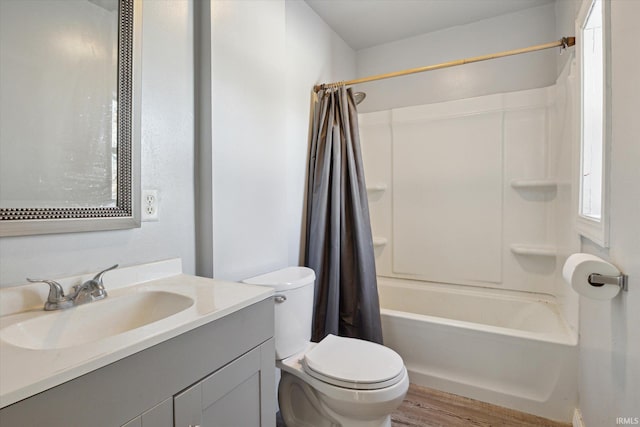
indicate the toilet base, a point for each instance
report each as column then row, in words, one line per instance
column 302, row 406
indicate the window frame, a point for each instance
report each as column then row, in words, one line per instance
column 592, row 228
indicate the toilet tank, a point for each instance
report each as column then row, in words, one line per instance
column 293, row 287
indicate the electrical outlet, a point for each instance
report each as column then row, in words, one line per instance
column 149, row 205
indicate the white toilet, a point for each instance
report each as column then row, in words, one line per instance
column 337, row 382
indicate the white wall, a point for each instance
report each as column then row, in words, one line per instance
column 565, row 11
column 315, row 54
column 167, row 165
column 248, row 137
column 609, row 378
column 265, row 58
column 511, row 31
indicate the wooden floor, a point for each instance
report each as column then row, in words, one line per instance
column 424, row 407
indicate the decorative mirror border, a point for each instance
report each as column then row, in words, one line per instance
column 26, row 221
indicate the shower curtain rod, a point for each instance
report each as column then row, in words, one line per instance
column 564, row 43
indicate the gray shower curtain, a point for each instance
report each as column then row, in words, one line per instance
column 339, row 246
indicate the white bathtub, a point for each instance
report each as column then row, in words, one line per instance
column 507, row 348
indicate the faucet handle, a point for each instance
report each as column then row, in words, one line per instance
column 55, row 289
column 56, row 298
column 98, row 277
column 92, row 289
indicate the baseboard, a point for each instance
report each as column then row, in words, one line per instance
column 577, row 418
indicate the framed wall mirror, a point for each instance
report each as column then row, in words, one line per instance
column 69, row 118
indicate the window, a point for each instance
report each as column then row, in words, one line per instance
column 594, row 120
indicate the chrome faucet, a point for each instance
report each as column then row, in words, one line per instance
column 91, row 290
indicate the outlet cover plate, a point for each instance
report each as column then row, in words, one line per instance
column 149, row 205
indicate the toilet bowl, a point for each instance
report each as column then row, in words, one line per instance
column 331, row 389
column 336, row 382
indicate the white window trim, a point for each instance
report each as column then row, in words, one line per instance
column 597, row 231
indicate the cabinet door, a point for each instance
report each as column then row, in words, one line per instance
column 232, row 396
column 187, row 407
column 160, row 415
column 136, row 422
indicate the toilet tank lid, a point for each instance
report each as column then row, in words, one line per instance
column 284, row 279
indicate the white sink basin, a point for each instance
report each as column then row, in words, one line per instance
column 94, row 321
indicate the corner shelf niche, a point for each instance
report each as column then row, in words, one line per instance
column 534, row 184
column 379, row 242
column 376, row 188
column 533, row 250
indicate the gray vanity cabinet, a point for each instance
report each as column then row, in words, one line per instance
column 219, row 374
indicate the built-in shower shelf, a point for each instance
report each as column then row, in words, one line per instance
column 534, row 184
column 376, row 188
column 379, row 241
column 535, row 250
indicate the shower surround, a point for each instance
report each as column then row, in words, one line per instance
column 470, row 202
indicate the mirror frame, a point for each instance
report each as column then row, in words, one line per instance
column 126, row 213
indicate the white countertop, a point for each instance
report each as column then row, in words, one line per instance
column 25, row 372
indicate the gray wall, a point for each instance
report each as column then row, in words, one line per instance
column 167, row 165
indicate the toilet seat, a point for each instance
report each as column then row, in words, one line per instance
column 353, row 363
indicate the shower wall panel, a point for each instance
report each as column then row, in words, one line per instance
column 375, row 135
column 447, row 199
column 445, row 191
